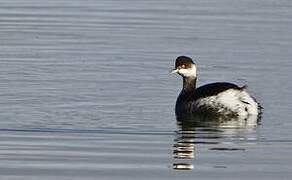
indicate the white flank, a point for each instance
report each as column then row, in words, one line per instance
column 238, row 101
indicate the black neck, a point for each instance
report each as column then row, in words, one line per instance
column 189, row 83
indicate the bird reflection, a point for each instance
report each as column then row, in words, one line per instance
column 193, row 132
column 184, row 148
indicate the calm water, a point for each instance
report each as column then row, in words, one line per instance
column 85, row 89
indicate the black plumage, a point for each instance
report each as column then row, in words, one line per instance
column 196, row 102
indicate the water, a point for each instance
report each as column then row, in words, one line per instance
column 85, row 90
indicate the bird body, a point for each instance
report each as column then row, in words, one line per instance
column 213, row 100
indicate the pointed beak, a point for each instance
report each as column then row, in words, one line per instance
column 174, row 71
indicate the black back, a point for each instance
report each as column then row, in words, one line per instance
column 207, row 90
column 214, row 89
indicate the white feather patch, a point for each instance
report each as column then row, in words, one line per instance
column 190, row 72
column 237, row 101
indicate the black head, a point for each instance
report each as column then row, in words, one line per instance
column 185, row 67
column 183, row 62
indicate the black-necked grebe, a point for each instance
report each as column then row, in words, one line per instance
column 213, row 100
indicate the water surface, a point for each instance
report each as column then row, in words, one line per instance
column 85, row 90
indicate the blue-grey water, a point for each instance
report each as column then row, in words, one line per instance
column 85, row 89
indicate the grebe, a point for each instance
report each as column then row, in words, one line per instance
column 220, row 99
